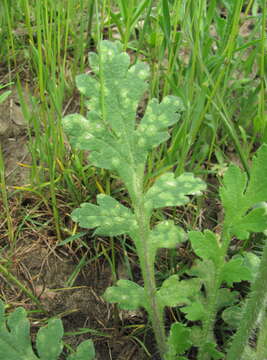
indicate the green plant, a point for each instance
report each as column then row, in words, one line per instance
column 117, row 143
column 15, row 340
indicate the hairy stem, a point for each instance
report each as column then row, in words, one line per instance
column 261, row 353
column 254, row 305
column 148, row 273
column 213, row 292
column 208, row 324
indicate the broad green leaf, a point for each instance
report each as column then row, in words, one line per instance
column 166, row 235
column 49, row 340
column 170, row 191
column 254, row 221
column 194, row 311
column 85, row 351
column 257, row 187
column 109, row 216
column 127, row 294
column 110, row 132
column 88, row 86
column 15, row 341
column 158, row 117
column 76, row 126
column 240, row 194
column 206, row 245
column 232, row 192
column 178, row 341
column 235, row 270
column 174, row 292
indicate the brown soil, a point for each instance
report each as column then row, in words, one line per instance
column 13, row 139
column 45, row 273
column 44, row 268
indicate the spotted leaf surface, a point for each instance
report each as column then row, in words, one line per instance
column 128, row 295
column 110, row 130
column 109, row 217
column 174, row 292
column 165, row 235
column 170, row 191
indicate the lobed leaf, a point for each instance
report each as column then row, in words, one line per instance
column 235, row 270
column 15, row 340
column 109, row 216
column 85, row 351
column 254, row 221
column 257, row 187
column 195, row 311
column 158, row 117
column 110, row 132
column 174, row 292
column 178, row 341
column 49, row 340
column 170, row 191
column 128, row 295
column 239, row 195
column 206, row 245
column 165, row 235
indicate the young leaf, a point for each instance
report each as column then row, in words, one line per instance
column 194, row 311
column 170, row 191
column 206, row 245
column 239, row 195
column 158, row 117
column 15, row 340
column 174, row 292
column 166, row 235
column 110, row 131
column 85, row 351
column 127, row 294
column 109, row 216
column 257, row 187
column 235, row 271
column 178, row 341
column 49, row 340
column 254, row 221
